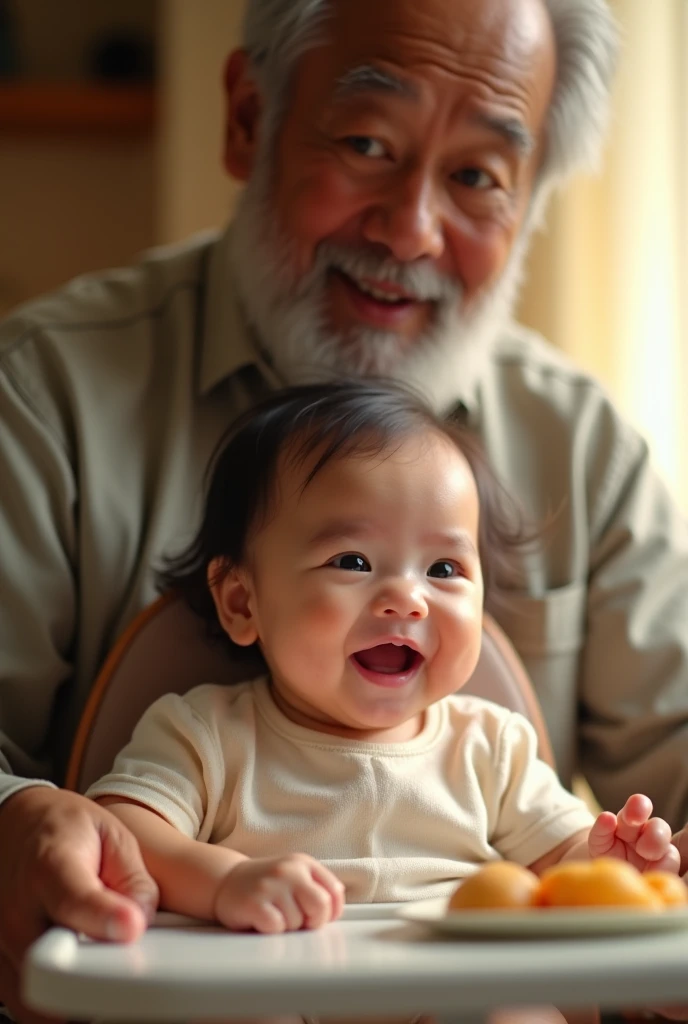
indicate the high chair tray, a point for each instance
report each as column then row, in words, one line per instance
column 356, row 966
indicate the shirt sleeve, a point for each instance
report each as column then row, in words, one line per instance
column 634, row 679
column 534, row 811
column 37, row 582
column 173, row 765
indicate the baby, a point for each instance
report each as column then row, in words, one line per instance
column 350, row 534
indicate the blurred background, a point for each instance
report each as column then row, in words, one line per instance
column 110, row 141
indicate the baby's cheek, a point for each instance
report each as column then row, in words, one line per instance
column 461, row 643
column 325, row 614
column 315, row 631
column 313, row 622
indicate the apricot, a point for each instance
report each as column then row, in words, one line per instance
column 497, row 885
column 604, row 882
column 671, row 888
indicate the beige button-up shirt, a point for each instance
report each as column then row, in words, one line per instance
column 113, row 393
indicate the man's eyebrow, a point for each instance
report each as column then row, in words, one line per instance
column 513, row 131
column 368, row 78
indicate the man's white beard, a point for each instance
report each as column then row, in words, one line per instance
column 287, row 312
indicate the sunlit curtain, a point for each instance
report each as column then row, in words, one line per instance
column 608, row 282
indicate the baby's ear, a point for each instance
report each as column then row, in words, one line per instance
column 230, row 592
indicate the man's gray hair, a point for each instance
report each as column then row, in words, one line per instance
column 278, row 32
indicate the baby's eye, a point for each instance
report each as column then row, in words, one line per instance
column 351, row 562
column 444, row 570
column 366, row 146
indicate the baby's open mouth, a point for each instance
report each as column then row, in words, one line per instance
column 389, row 659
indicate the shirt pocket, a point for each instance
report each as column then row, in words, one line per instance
column 540, row 626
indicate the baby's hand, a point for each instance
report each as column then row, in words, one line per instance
column 634, row 836
column 279, row 894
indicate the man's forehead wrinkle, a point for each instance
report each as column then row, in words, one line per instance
column 502, row 44
column 502, row 75
column 366, row 79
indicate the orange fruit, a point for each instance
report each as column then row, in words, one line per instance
column 497, row 885
column 671, row 888
column 604, row 882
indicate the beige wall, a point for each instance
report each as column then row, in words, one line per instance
column 74, row 204
column 195, row 39
column 70, row 203
column 68, row 206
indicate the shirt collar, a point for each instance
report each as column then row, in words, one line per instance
column 227, row 344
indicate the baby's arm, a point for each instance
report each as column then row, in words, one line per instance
column 270, row 894
column 631, row 835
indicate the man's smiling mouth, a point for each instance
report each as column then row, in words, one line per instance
column 388, row 295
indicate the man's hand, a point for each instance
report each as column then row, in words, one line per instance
column 279, row 894
column 65, row 860
column 634, row 836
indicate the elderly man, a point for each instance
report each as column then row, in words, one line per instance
column 396, row 157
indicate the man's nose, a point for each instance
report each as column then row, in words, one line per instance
column 407, row 219
column 402, row 599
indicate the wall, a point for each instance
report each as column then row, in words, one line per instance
column 193, row 190
column 67, row 207
column 55, row 36
column 75, row 202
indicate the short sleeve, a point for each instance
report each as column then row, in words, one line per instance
column 534, row 811
column 173, row 765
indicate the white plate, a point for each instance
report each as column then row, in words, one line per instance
column 543, row 922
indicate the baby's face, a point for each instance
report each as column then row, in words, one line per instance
column 365, row 589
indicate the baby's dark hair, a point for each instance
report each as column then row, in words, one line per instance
column 312, row 424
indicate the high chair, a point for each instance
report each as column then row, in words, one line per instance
column 166, row 650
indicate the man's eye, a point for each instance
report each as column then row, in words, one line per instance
column 473, row 177
column 444, row 570
column 351, row 562
column 366, row 146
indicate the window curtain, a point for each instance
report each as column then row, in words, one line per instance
column 608, row 279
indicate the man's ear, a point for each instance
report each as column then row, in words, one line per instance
column 243, row 116
column 230, row 593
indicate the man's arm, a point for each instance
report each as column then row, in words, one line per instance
column 62, row 858
column 38, row 577
column 634, row 679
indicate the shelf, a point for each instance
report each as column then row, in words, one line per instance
column 65, row 108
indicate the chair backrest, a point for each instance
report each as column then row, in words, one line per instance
column 166, row 650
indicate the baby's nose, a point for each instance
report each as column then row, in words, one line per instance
column 402, row 599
